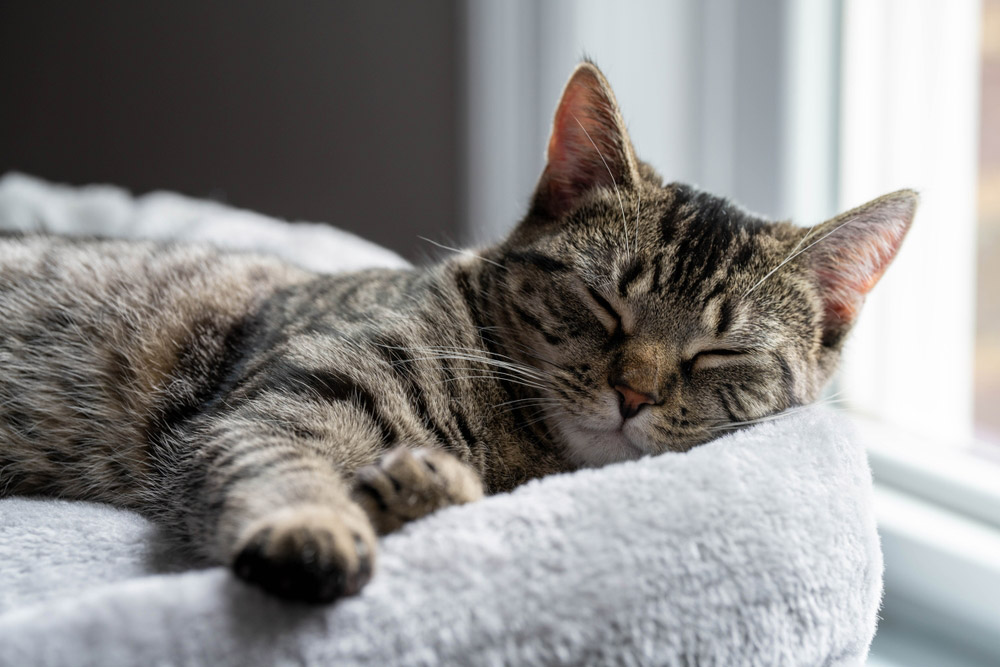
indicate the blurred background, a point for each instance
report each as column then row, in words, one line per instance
column 402, row 120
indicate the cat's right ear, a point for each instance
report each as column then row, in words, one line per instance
column 589, row 147
column 848, row 254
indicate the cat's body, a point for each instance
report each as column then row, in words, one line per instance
column 146, row 343
column 276, row 419
column 159, row 377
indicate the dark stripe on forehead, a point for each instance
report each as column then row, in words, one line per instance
column 655, row 286
column 686, row 250
column 717, row 289
column 670, row 221
column 743, row 255
column 629, row 276
column 703, row 250
column 668, row 229
column 537, row 259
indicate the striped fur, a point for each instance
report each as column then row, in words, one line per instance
column 275, row 419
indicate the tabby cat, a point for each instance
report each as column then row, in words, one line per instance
column 276, row 420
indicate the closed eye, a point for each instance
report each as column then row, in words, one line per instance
column 722, row 352
column 613, row 321
column 716, row 357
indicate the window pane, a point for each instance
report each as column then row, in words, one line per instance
column 987, row 374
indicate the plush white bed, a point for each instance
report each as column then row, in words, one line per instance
column 756, row 549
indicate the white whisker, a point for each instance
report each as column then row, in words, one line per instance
column 512, row 370
column 778, row 415
column 462, row 251
column 638, row 207
column 523, row 349
column 794, row 254
column 527, row 402
column 466, row 350
column 615, row 182
column 512, row 367
column 494, row 376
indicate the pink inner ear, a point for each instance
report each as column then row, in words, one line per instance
column 587, row 148
column 578, row 127
column 853, row 258
column 843, row 298
column 578, row 144
column 564, row 126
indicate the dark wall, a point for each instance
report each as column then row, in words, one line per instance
column 345, row 112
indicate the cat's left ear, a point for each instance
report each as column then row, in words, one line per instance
column 849, row 254
column 589, row 146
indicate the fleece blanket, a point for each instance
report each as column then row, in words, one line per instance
column 756, row 549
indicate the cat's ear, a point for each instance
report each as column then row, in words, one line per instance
column 589, row 146
column 849, row 254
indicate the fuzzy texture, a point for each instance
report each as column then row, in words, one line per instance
column 31, row 205
column 757, row 549
column 274, row 419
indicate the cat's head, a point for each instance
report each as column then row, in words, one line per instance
column 657, row 316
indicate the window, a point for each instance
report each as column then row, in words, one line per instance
column 917, row 111
column 987, row 360
column 909, row 111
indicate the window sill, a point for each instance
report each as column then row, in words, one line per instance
column 946, row 475
column 938, row 512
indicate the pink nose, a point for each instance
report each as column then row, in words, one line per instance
column 631, row 401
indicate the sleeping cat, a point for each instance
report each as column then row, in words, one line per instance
column 276, row 420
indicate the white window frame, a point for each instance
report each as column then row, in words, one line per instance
column 909, row 118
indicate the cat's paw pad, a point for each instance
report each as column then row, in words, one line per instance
column 407, row 484
column 311, row 553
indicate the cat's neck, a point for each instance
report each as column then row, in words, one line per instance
column 480, row 285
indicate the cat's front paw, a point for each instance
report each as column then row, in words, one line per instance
column 407, row 484
column 309, row 553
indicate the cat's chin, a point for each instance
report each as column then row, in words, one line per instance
column 597, row 447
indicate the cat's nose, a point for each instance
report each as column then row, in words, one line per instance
column 631, row 401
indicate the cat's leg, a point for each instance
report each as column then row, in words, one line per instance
column 407, row 484
column 278, row 512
